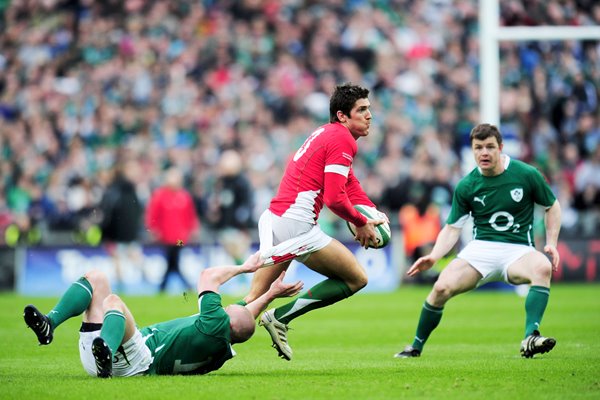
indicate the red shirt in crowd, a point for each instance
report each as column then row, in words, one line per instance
column 171, row 215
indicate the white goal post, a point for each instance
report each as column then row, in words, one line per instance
column 490, row 35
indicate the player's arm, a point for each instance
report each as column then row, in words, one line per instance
column 212, row 278
column 552, row 220
column 445, row 241
column 357, row 195
column 336, row 199
column 277, row 289
column 355, row 192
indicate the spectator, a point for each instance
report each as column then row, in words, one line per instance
column 122, row 221
column 171, row 219
column 587, row 193
column 231, row 206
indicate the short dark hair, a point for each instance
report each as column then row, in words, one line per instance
column 484, row 131
column 343, row 99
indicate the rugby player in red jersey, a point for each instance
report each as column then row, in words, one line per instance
column 320, row 173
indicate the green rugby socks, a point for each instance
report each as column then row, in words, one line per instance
column 321, row 295
column 535, row 305
column 113, row 329
column 428, row 321
column 73, row 302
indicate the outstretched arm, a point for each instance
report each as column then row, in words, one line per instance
column 278, row 289
column 445, row 241
column 212, row 278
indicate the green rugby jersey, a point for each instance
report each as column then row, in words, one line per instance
column 191, row 345
column 501, row 206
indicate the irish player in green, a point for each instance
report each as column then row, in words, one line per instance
column 499, row 194
column 110, row 344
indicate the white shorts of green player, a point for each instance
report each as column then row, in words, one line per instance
column 135, row 359
column 492, row 259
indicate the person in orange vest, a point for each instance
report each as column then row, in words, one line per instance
column 420, row 229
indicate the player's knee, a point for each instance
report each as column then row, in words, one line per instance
column 542, row 270
column 442, row 291
column 113, row 302
column 358, row 282
column 97, row 279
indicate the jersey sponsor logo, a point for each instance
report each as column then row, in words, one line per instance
column 480, row 199
column 517, row 194
column 502, row 221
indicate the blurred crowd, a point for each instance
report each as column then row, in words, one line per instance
column 88, row 88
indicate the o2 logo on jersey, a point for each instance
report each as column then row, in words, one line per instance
column 307, row 143
column 507, row 218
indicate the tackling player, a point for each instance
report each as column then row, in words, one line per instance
column 500, row 195
column 110, row 344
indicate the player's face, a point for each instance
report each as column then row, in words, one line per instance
column 487, row 156
column 359, row 120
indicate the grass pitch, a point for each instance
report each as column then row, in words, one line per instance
column 340, row 352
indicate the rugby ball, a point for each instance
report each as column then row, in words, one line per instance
column 383, row 231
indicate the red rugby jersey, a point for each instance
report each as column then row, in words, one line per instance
column 321, row 173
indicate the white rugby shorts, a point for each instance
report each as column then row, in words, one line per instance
column 137, row 358
column 283, row 239
column 492, row 259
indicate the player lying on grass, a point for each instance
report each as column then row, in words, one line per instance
column 110, row 344
column 500, row 195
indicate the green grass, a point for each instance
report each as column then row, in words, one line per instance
column 341, row 352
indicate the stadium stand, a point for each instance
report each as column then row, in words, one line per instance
column 86, row 85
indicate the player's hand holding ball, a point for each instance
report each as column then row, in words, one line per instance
column 383, row 232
